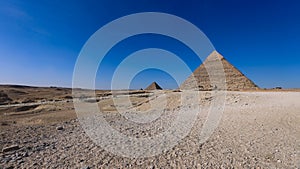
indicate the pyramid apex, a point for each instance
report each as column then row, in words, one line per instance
column 215, row 55
column 153, row 86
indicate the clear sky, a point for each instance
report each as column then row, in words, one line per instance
column 40, row 40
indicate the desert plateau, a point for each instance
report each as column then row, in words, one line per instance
column 258, row 129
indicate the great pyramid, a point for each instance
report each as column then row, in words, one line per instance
column 153, row 86
column 221, row 72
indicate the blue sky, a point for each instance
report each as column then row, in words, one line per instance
column 40, row 40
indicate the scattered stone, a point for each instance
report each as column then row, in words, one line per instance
column 59, row 128
column 25, row 154
column 4, row 123
column 20, row 162
column 10, row 148
column 10, row 167
column 7, row 159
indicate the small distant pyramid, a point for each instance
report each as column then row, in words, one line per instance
column 153, row 86
column 218, row 66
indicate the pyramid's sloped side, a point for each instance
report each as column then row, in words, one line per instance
column 235, row 80
column 201, row 80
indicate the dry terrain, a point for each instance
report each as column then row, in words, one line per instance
column 40, row 129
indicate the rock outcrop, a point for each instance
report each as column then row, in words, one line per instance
column 4, row 99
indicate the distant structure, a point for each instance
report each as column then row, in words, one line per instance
column 235, row 80
column 153, row 86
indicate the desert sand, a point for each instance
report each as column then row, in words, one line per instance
column 258, row 129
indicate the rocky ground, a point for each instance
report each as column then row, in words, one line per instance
column 257, row 130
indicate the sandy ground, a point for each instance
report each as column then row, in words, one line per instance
column 257, row 130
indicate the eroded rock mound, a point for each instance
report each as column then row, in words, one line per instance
column 4, row 99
